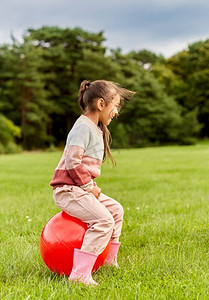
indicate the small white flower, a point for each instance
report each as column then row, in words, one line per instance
column 146, row 206
column 27, row 217
column 137, row 208
column 29, row 220
column 128, row 208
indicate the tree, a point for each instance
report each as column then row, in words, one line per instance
column 70, row 55
column 40, row 79
column 23, row 95
column 153, row 117
column 191, row 67
column 9, row 132
column 146, row 58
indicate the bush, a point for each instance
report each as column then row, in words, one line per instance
column 9, row 132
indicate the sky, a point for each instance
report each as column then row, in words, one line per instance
column 161, row 26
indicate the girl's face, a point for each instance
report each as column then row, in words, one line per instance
column 108, row 112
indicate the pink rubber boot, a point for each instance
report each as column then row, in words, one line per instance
column 111, row 260
column 83, row 263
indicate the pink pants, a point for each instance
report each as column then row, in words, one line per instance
column 104, row 216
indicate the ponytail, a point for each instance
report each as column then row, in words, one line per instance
column 83, row 87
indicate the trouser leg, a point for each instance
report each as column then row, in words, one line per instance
column 116, row 210
column 88, row 209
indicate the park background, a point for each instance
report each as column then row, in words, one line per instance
column 157, row 48
column 160, row 140
column 40, row 78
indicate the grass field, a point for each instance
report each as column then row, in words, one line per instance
column 165, row 239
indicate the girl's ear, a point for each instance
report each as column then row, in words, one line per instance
column 100, row 104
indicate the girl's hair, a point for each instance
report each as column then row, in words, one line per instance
column 89, row 92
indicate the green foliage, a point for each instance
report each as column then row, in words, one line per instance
column 192, row 91
column 9, row 132
column 156, row 118
column 120, row 138
column 178, row 64
column 23, row 94
column 146, row 58
column 40, row 79
column 69, row 56
column 166, row 77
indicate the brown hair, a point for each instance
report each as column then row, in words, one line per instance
column 89, row 92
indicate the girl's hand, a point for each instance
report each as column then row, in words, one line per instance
column 96, row 191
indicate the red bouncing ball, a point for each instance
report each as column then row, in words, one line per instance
column 61, row 234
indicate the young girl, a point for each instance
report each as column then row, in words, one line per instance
column 74, row 189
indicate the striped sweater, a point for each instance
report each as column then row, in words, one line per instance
column 82, row 157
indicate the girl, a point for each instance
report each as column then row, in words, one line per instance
column 74, row 189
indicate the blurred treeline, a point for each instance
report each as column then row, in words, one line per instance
column 40, row 78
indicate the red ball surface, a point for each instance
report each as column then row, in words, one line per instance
column 61, row 234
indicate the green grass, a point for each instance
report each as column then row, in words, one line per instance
column 165, row 239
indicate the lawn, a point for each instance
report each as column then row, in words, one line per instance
column 165, row 239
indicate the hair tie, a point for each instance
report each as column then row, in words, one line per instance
column 88, row 84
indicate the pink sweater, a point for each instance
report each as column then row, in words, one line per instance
column 82, row 157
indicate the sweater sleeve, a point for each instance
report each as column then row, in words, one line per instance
column 77, row 142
